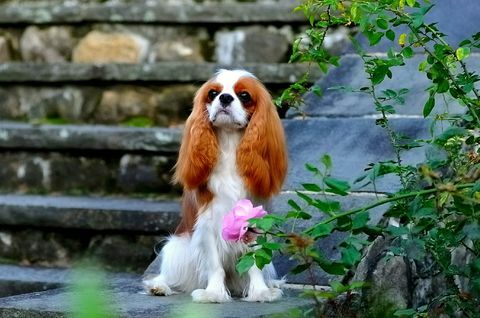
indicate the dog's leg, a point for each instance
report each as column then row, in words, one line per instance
column 258, row 289
column 175, row 268
column 205, row 240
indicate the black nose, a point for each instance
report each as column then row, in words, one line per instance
column 226, row 99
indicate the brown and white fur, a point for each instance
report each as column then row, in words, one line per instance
column 233, row 148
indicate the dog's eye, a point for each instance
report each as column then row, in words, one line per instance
column 245, row 97
column 212, row 94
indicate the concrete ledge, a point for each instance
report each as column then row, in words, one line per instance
column 159, row 72
column 88, row 137
column 128, row 300
column 89, row 213
column 155, row 13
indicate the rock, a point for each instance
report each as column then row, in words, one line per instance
column 179, row 49
column 390, row 278
column 71, row 104
column 251, row 44
column 115, row 173
column 10, row 105
column 50, row 45
column 145, row 174
column 174, row 104
column 5, row 51
column 101, row 47
column 165, row 107
column 123, row 102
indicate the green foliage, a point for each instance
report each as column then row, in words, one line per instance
column 89, row 298
column 139, row 121
column 438, row 205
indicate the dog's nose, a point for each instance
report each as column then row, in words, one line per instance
column 225, row 99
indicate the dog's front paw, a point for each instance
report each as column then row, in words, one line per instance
column 157, row 286
column 264, row 295
column 210, row 296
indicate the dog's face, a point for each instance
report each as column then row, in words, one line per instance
column 230, row 99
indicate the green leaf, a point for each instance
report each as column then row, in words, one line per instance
column 311, row 168
column 390, row 35
column 382, row 23
column 450, row 132
column 326, row 205
column 443, row 86
column 427, row 109
column 327, row 161
column 262, row 257
column 300, row 268
column 333, row 268
column 360, row 220
column 462, row 53
column 272, row 245
column 407, row 52
column 245, row 262
column 374, row 37
column 411, row 3
column 321, row 230
column 350, row 255
column 299, row 215
column 379, row 74
column 294, row 205
column 337, row 186
column 311, row 187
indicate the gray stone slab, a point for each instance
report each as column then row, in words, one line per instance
column 151, row 13
column 86, row 137
column 351, row 73
column 15, row 280
column 458, row 19
column 328, row 246
column 127, row 300
column 89, row 213
column 352, row 143
column 158, row 72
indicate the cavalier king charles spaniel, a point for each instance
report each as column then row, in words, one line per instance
column 233, row 148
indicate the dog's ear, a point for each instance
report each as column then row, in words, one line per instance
column 199, row 149
column 262, row 154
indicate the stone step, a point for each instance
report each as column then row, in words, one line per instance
column 88, row 137
column 16, row 280
column 269, row 73
column 104, row 159
column 89, row 213
column 146, row 13
column 121, row 233
column 127, row 300
column 118, row 233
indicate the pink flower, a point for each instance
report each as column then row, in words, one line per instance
column 235, row 222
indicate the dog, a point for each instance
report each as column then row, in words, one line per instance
column 233, row 148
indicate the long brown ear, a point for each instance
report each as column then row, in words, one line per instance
column 262, row 154
column 199, row 150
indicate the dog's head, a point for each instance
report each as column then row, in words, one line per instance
column 234, row 100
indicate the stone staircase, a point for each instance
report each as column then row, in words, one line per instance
column 87, row 141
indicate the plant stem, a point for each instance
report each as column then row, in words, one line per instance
column 385, row 201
